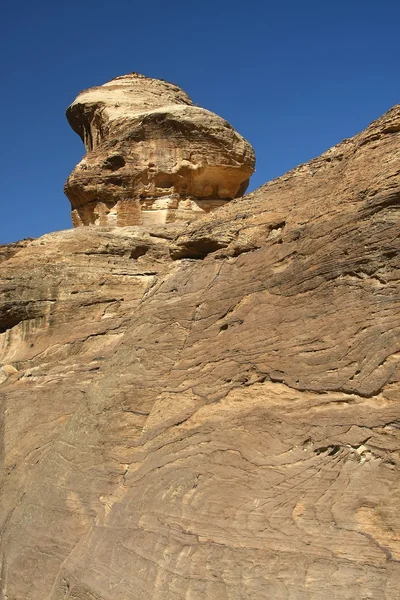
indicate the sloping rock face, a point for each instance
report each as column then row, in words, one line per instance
column 211, row 413
column 152, row 157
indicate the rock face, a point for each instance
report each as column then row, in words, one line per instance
column 211, row 412
column 152, row 157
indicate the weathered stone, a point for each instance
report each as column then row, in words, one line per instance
column 211, row 412
column 152, row 157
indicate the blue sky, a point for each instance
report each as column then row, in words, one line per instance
column 293, row 77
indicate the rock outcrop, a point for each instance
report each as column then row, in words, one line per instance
column 152, row 156
column 211, row 412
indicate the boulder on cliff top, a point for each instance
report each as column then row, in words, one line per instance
column 152, row 156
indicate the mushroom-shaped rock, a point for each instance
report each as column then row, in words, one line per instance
column 151, row 156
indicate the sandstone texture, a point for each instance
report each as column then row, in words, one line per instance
column 210, row 412
column 152, row 156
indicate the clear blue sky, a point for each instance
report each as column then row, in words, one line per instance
column 293, row 77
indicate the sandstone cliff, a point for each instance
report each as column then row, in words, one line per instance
column 211, row 412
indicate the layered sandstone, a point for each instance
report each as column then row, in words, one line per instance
column 211, row 412
column 152, row 156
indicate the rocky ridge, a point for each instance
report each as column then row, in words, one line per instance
column 212, row 411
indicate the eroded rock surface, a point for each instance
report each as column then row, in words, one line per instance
column 213, row 412
column 152, row 156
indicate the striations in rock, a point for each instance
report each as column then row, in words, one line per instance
column 152, row 156
column 212, row 412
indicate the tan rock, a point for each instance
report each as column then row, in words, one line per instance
column 213, row 411
column 9, row 369
column 152, row 156
column 6, row 371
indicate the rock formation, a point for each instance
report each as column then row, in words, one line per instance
column 211, row 412
column 152, row 157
